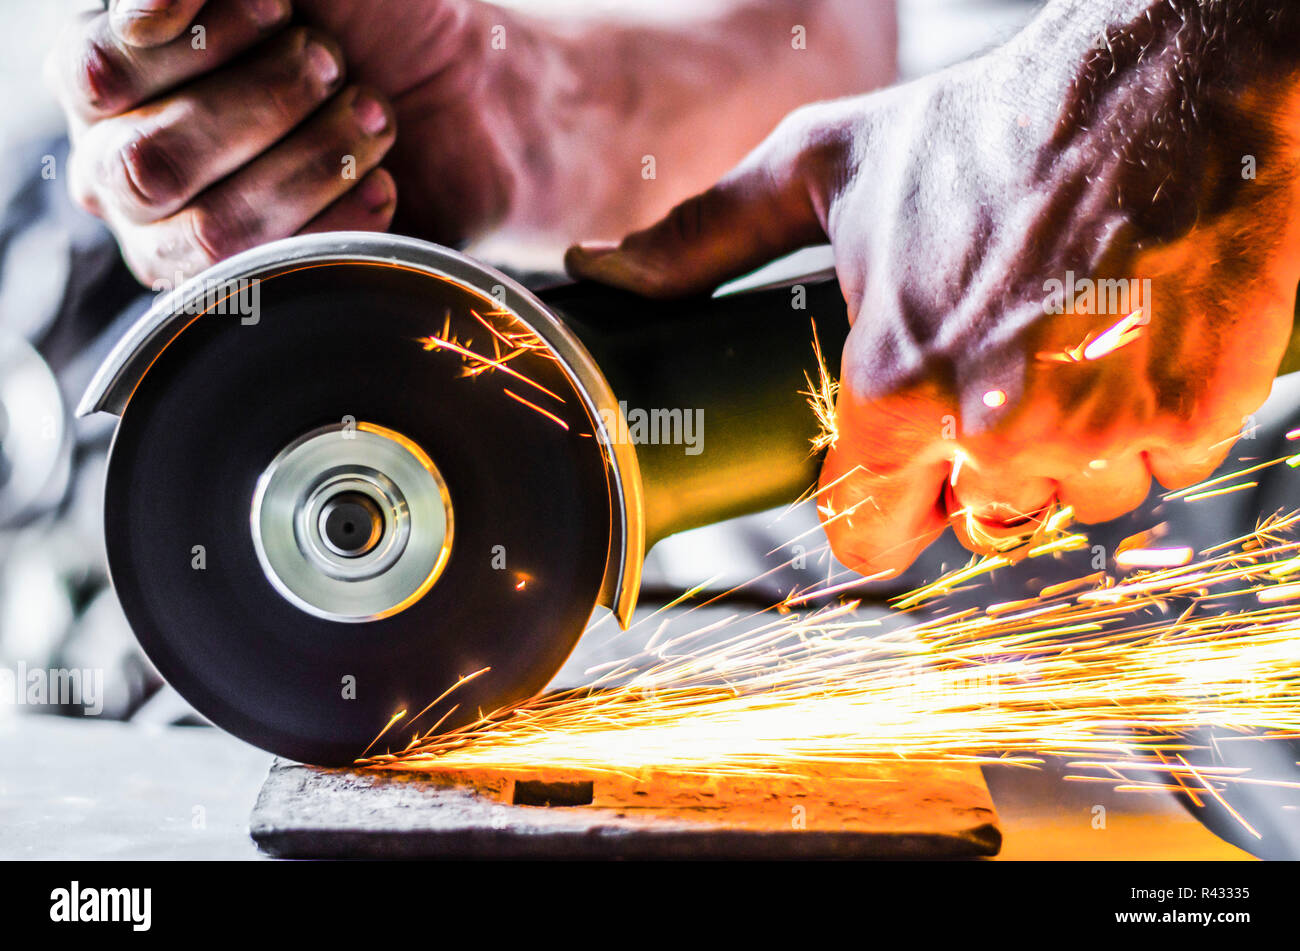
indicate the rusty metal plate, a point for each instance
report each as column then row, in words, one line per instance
column 893, row 811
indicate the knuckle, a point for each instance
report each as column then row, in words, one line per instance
column 146, row 271
column 685, row 222
column 149, row 172
column 101, row 77
column 281, row 101
column 337, row 139
column 280, row 81
column 1170, row 471
column 149, row 263
column 1251, row 396
column 217, row 231
column 1188, row 430
column 291, row 85
column 85, row 201
column 324, row 164
column 816, row 140
column 797, row 124
column 84, row 198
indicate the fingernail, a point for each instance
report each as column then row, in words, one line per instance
column 266, row 13
column 137, row 7
column 595, row 249
column 372, row 117
column 322, row 63
column 587, row 257
column 376, row 192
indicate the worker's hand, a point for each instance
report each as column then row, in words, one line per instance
column 204, row 129
column 968, row 214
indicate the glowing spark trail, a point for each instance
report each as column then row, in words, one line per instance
column 533, row 406
column 517, row 342
column 821, row 398
column 1154, row 558
column 1116, row 337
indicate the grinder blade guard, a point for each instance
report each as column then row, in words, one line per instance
column 351, row 469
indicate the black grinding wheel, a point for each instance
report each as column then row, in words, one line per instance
column 335, row 343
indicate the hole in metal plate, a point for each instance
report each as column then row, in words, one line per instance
column 536, row 793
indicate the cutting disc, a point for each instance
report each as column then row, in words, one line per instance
column 342, row 348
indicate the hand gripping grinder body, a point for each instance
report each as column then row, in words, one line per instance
column 352, row 469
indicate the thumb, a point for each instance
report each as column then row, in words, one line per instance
column 769, row 205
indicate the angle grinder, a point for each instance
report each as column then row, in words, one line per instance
column 352, row 470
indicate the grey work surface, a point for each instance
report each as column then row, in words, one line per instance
column 86, row 789
column 91, row 790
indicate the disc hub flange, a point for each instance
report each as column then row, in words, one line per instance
column 352, row 522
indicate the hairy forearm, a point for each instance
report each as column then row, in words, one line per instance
column 639, row 115
column 1072, row 42
column 1181, row 90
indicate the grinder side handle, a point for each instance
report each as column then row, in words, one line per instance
column 709, row 389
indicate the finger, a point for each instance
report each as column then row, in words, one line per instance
column 368, row 207
column 1103, row 489
column 285, row 189
column 1178, row 466
column 995, row 508
column 149, row 163
column 151, row 22
column 882, row 482
column 97, row 74
column 767, row 206
column 999, row 494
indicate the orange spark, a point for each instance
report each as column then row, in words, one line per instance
column 1154, row 557
column 1119, row 335
column 821, row 399
column 477, row 362
column 549, row 415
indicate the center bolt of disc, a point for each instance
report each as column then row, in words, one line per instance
column 351, row 524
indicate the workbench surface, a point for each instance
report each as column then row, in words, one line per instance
column 83, row 789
